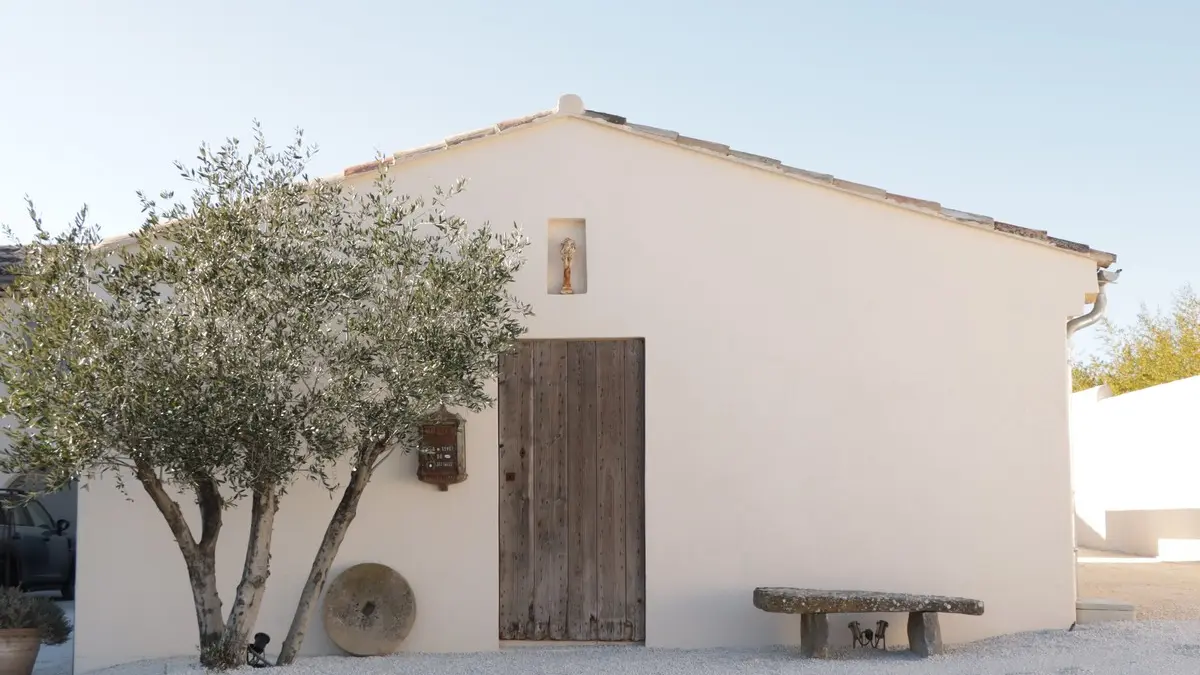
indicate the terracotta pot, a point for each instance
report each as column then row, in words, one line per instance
column 18, row 650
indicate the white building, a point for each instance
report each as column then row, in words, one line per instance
column 802, row 381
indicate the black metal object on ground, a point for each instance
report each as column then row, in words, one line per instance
column 255, row 657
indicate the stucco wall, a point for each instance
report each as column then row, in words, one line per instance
column 839, row 393
column 1135, row 461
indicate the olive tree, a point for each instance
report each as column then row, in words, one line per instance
column 267, row 329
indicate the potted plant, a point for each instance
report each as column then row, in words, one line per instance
column 26, row 623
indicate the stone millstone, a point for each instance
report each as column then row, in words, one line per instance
column 369, row 610
column 810, row 601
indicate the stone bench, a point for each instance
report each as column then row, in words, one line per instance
column 815, row 606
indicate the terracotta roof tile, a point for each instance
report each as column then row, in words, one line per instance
column 811, row 175
column 665, row 133
column 417, row 152
column 1070, row 245
column 471, row 135
column 751, row 157
column 1040, row 235
column 858, row 187
column 719, row 148
column 913, row 201
column 968, row 217
column 607, row 117
column 365, row 167
column 520, row 121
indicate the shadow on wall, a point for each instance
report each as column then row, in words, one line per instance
column 1167, row 534
column 1087, row 537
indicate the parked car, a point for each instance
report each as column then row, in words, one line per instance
column 36, row 553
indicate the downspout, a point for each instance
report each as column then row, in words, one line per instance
column 1103, row 278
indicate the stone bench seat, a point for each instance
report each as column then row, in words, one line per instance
column 814, row 606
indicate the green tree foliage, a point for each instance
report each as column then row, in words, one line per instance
column 1156, row 348
column 265, row 329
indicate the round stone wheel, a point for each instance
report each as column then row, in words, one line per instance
column 369, row 610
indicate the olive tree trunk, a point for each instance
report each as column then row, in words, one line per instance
column 335, row 532
column 199, row 557
column 250, row 591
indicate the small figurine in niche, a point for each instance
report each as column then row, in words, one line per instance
column 567, row 249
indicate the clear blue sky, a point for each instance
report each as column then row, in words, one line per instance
column 1076, row 117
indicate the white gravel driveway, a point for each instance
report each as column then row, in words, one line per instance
column 1126, row 648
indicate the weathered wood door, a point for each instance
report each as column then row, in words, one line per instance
column 572, row 524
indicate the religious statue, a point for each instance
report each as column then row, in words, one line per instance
column 568, row 257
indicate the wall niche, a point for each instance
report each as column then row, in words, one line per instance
column 566, row 256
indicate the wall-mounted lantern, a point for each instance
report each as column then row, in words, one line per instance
column 442, row 454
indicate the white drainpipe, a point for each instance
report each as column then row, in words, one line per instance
column 1103, row 278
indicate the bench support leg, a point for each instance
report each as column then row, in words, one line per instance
column 814, row 635
column 924, row 633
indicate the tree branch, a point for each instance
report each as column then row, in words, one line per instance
column 383, row 449
column 208, row 496
column 335, row 532
column 167, row 506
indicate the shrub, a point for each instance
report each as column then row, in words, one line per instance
column 19, row 610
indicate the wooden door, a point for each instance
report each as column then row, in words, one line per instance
column 572, row 477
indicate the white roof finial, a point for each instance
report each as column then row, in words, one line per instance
column 569, row 104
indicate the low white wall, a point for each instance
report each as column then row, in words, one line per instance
column 839, row 394
column 1135, row 462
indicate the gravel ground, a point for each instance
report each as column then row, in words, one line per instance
column 1124, row 648
column 1159, row 590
